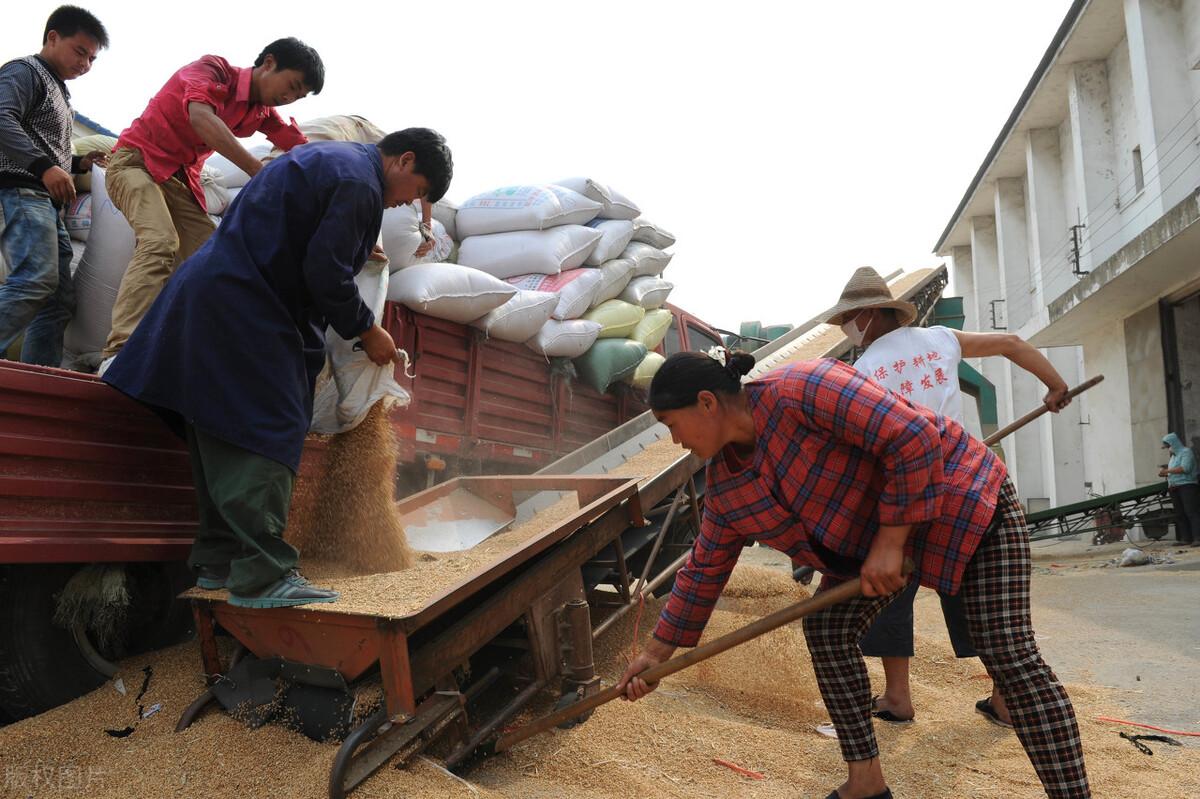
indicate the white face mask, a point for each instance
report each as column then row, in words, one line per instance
column 852, row 332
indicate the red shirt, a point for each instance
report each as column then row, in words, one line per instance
column 836, row 455
column 164, row 134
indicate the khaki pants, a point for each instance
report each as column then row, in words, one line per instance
column 169, row 225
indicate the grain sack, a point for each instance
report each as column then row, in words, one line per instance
column 448, row 291
column 614, row 205
column 609, row 361
column 647, row 261
column 97, row 142
column 614, row 277
column 520, row 318
column 523, row 208
column 564, row 339
column 335, row 128
column 641, row 377
column 653, row 328
column 109, row 248
column 358, row 384
column 401, row 234
column 650, row 233
column 648, row 292
column 345, row 518
column 229, row 174
column 617, row 318
column 615, row 235
column 78, row 216
column 575, row 288
column 547, row 252
column 216, row 197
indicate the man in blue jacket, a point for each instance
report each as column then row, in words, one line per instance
column 1184, row 485
column 230, row 351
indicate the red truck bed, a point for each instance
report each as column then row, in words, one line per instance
column 88, row 475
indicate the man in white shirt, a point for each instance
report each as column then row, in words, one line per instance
column 921, row 365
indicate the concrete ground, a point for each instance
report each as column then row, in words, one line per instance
column 1132, row 629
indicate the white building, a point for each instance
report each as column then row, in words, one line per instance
column 1079, row 234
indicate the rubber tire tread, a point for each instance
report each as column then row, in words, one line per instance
column 41, row 667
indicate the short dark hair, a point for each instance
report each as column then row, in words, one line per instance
column 291, row 53
column 70, row 20
column 434, row 161
column 684, row 375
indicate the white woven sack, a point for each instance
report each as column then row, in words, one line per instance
column 615, row 235
column 614, row 277
column 523, row 208
column 520, row 318
column 650, row 233
column 448, row 291
column 568, row 338
column 401, row 236
column 614, row 205
column 648, row 292
column 229, row 174
column 575, row 289
column 522, row 252
column 342, row 403
column 109, row 249
column 647, row 261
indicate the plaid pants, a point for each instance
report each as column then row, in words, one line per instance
column 995, row 591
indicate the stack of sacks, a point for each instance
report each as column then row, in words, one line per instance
column 628, row 302
column 570, row 269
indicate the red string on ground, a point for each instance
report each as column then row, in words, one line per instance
column 745, row 772
column 1148, row 727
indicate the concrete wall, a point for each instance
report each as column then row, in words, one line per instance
column 1145, row 94
column 1147, row 393
column 1187, row 338
column 1126, row 136
column 1107, row 428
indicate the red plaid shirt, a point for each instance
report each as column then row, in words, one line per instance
column 164, row 135
column 836, row 456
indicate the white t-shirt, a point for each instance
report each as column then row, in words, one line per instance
column 920, row 364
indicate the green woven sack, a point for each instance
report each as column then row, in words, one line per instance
column 608, row 361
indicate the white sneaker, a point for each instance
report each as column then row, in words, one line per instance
column 107, row 362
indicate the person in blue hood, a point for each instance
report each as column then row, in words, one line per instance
column 1184, row 485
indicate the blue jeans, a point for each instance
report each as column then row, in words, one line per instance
column 39, row 296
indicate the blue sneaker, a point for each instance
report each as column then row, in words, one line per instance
column 289, row 590
column 212, row 578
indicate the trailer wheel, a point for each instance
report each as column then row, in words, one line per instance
column 40, row 664
column 43, row 665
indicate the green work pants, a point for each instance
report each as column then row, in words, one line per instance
column 243, row 499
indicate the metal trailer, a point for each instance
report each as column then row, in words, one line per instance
column 457, row 669
column 91, row 479
column 1106, row 519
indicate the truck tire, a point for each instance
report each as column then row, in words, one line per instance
column 40, row 664
column 43, row 666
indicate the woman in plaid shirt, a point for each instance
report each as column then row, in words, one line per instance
column 818, row 462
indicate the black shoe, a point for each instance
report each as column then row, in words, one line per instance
column 290, row 589
column 212, row 578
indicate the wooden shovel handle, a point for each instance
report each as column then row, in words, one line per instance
column 1029, row 417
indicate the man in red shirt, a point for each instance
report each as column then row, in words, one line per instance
column 154, row 173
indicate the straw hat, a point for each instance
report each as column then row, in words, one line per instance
column 867, row 289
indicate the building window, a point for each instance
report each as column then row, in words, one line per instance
column 1139, row 179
